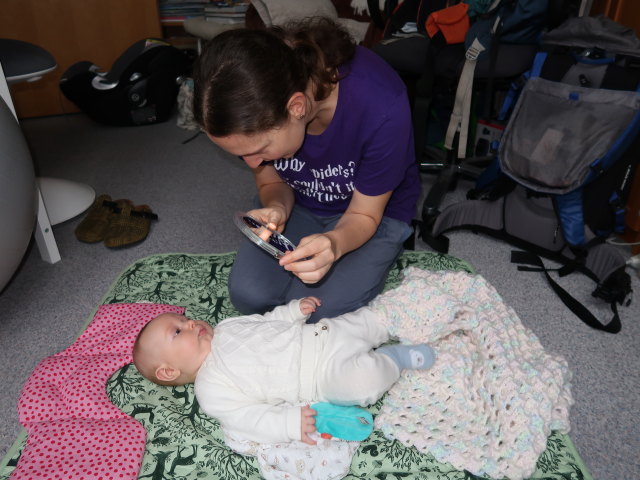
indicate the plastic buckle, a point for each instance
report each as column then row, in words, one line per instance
column 586, row 53
column 474, row 50
column 472, row 53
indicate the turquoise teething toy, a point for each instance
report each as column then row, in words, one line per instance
column 348, row 423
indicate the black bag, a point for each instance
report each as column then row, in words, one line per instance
column 520, row 20
column 562, row 176
column 140, row 89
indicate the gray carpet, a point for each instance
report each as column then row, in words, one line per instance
column 194, row 188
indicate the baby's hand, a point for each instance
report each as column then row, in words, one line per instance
column 307, row 424
column 309, row 304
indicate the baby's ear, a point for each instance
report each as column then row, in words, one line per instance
column 166, row 373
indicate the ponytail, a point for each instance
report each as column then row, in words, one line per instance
column 322, row 46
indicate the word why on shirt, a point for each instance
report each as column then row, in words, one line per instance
column 326, row 185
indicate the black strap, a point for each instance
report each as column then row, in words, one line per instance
column 488, row 89
column 192, row 137
column 580, row 256
column 614, row 325
column 375, row 14
column 144, row 214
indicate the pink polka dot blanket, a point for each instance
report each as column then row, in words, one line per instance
column 92, row 422
column 65, row 409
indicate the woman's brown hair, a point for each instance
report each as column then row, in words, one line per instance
column 244, row 78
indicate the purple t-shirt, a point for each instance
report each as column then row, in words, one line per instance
column 368, row 145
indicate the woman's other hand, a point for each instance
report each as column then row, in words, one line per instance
column 275, row 218
column 277, row 198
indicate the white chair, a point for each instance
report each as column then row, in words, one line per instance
column 56, row 200
column 18, row 194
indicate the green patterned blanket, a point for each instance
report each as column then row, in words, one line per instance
column 183, row 443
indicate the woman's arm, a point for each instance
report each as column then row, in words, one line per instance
column 358, row 223
column 356, row 226
column 276, row 197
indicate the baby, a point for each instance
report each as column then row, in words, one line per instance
column 250, row 370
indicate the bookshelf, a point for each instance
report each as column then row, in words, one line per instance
column 173, row 32
column 186, row 22
column 172, row 15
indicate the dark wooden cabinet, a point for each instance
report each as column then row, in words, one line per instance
column 632, row 215
column 626, row 12
column 73, row 30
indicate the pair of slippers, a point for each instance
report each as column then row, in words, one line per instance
column 117, row 223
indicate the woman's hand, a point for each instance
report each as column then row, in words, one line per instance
column 274, row 217
column 312, row 258
column 276, row 196
column 315, row 254
column 309, row 304
column 307, row 424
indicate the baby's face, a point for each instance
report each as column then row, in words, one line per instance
column 178, row 342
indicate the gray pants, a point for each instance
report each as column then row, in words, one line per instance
column 257, row 282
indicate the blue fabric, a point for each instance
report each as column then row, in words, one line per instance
column 489, row 174
column 478, row 7
column 538, row 62
column 618, row 212
column 521, row 22
column 571, row 216
column 345, row 422
column 257, row 282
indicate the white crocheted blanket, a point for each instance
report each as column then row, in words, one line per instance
column 493, row 396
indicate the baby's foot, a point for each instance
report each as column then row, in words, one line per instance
column 419, row 357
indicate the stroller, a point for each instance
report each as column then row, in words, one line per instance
column 565, row 162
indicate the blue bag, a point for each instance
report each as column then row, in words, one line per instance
column 510, row 21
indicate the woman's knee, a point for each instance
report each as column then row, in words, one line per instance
column 244, row 303
column 254, row 291
column 249, row 300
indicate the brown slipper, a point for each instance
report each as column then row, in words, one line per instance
column 94, row 226
column 130, row 226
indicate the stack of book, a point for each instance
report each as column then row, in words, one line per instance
column 179, row 10
column 227, row 12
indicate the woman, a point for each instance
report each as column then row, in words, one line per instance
column 326, row 128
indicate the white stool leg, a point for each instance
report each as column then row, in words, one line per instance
column 44, row 235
